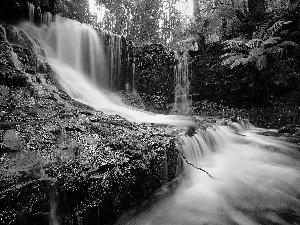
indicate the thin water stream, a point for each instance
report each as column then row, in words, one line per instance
column 255, row 178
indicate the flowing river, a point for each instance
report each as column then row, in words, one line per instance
column 255, row 179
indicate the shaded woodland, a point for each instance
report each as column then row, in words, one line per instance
column 63, row 160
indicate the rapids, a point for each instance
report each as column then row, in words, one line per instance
column 255, row 181
column 255, row 178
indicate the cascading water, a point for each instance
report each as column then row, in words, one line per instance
column 31, row 12
column 47, row 18
column 83, row 52
column 114, row 54
column 15, row 60
column 255, row 178
column 53, row 204
column 84, row 66
column 182, row 103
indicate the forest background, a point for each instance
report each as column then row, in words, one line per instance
column 243, row 54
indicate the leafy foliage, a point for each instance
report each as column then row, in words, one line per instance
column 276, row 27
column 154, row 76
column 143, row 21
column 257, row 51
column 260, row 60
column 77, row 10
column 273, row 60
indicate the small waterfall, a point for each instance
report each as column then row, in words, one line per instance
column 255, row 180
column 117, row 59
column 15, row 60
column 47, row 18
column 53, row 220
column 196, row 148
column 133, row 76
column 182, row 103
column 113, row 52
column 14, row 56
column 39, row 15
column 31, row 12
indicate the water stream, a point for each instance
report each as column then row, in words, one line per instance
column 255, row 181
column 255, row 178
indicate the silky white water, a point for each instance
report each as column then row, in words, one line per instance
column 256, row 179
column 78, row 55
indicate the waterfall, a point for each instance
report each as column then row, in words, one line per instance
column 84, row 61
column 53, row 220
column 255, row 180
column 96, row 55
column 182, row 103
column 31, row 12
column 78, row 46
column 113, row 52
column 47, row 18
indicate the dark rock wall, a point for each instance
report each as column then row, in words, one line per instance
column 14, row 11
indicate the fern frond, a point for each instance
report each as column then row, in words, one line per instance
column 232, row 59
column 284, row 33
column 277, row 26
column 257, row 52
column 254, row 43
column 251, row 58
column 288, row 43
column 229, row 54
column 275, row 52
column 271, row 41
column 261, row 62
column 238, row 62
column 261, row 31
column 237, row 45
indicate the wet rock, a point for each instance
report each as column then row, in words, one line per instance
column 4, row 98
column 2, row 34
column 27, row 58
column 12, row 141
column 16, row 36
column 9, row 76
column 42, row 66
column 49, row 140
column 5, row 49
column 289, row 129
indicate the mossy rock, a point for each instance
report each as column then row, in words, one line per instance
column 9, row 76
column 27, row 59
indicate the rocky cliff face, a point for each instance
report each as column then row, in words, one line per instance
column 62, row 161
